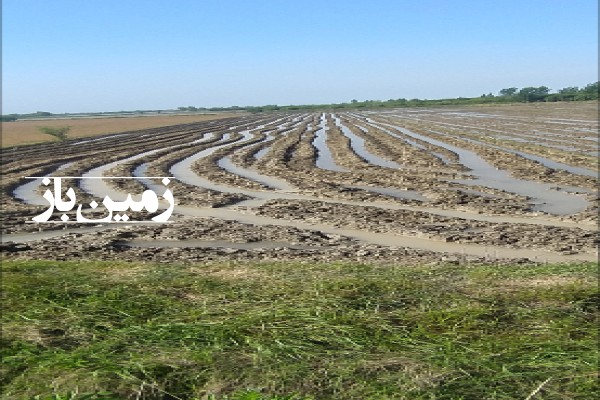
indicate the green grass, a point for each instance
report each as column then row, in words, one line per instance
column 58, row 132
column 105, row 330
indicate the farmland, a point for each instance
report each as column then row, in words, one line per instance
column 410, row 253
column 28, row 131
column 500, row 183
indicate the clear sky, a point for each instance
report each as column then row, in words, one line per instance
column 110, row 55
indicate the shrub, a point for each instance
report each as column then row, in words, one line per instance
column 58, row 132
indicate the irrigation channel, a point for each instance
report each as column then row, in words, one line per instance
column 401, row 186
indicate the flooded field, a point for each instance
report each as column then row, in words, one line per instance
column 467, row 185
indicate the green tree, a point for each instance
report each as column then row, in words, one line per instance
column 531, row 94
column 590, row 92
column 568, row 90
column 508, row 91
column 568, row 93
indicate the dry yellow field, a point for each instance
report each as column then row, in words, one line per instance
column 27, row 132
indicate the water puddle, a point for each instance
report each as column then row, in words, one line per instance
column 205, row 138
column 544, row 199
column 269, row 181
column 358, row 145
column 382, row 239
column 99, row 188
column 413, row 143
column 29, row 192
column 260, row 197
column 182, row 170
column 324, row 157
column 261, row 153
column 140, row 172
column 542, row 160
column 390, row 239
column 281, row 129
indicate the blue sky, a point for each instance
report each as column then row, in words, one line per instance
column 108, row 55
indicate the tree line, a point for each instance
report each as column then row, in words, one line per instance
column 508, row 95
column 542, row 93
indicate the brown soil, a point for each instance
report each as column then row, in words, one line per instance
column 27, row 131
column 324, row 202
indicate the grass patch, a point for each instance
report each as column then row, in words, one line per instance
column 296, row 331
column 58, row 132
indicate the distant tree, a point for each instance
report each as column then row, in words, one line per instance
column 590, row 92
column 508, row 91
column 59, row 132
column 354, row 101
column 565, row 94
column 531, row 94
column 9, row 118
column 568, row 90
